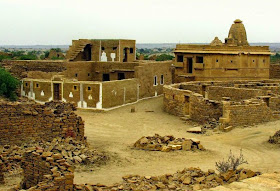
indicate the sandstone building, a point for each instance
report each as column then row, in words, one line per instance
column 99, row 74
column 234, row 59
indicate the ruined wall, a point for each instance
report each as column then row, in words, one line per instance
column 146, row 73
column 203, row 110
column 184, row 102
column 249, row 112
column 19, row 68
column 23, row 121
column 44, row 170
column 235, row 94
column 115, row 93
column 274, row 71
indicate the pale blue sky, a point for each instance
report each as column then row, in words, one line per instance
column 31, row 22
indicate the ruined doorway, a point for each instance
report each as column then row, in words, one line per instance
column 56, row 91
column 190, row 65
column 125, row 50
column 266, row 100
column 121, row 76
column 106, row 77
column 187, row 105
column 87, row 52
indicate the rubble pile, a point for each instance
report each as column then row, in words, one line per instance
column 275, row 139
column 168, row 143
column 44, row 169
column 51, row 164
column 187, row 179
column 75, row 152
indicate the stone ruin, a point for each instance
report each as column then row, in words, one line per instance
column 168, row 143
column 187, row 179
column 228, row 104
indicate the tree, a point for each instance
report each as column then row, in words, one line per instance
column 8, row 85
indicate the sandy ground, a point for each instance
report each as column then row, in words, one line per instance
column 114, row 132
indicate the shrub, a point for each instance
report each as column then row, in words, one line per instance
column 8, row 85
column 231, row 163
column 164, row 57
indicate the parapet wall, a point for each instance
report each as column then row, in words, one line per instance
column 24, row 121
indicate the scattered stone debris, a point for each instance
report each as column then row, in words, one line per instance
column 74, row 151
column 275, row 139
column 168, row 143
column 187, row 179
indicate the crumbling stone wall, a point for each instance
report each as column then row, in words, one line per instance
column 203, row 110
column 20, row 68
column 248, row 112
column 254, row 102
column 274, row 71
column 235, row 94
column 24, row 121
column 198, row 109
column 44, row 170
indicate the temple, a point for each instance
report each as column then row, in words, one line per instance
column 232, row 60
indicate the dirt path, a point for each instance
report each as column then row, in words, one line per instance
column 115, row 132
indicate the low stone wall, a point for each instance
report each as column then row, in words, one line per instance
column 248, row 112
column 235, row 94
column 26, row 121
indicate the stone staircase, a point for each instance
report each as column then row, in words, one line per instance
column 77, row 47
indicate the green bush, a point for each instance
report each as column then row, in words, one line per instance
column 8, row 85
column 164, row 57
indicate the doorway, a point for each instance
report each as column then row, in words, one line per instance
column 87, row 52
column 190, row 65
column 56, row 91
column 125, row 50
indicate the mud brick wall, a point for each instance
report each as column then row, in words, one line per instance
column 247, row 113
column 274, row 71
column 44, row 170
column 235, row 94
column 19, row 68
column 24, row 121
column 115, row 93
